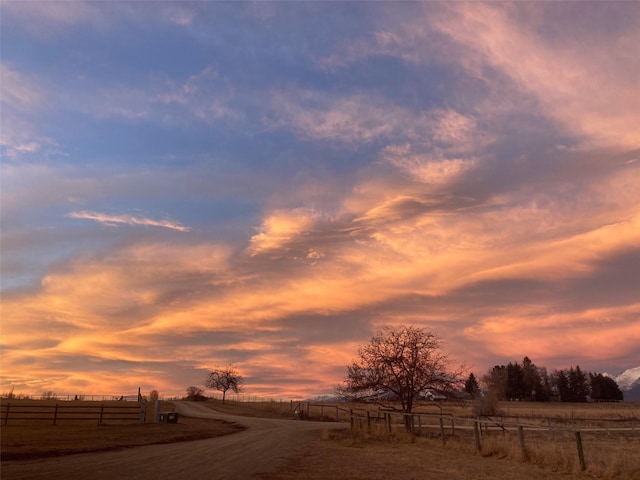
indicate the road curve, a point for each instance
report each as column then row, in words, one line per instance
column 261, row 448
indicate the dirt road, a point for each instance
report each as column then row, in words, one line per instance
column 261, row 448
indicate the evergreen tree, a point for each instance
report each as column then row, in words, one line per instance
column 515, row 382
column 562, row 385
column 578, row 385
column 572, row 385
column 546, row 387
column 471, row 386
column 532, row 381
column 604, row 388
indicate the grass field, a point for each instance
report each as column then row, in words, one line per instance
column 609, row 455
column 610, row 433
column 31, row 439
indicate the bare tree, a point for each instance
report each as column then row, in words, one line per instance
column 401, row 364
column 195, row 394
column 225, row 379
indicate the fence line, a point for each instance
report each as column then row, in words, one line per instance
column 61, row 412
column 333, row 412
column 483, row 426
column 72, row 397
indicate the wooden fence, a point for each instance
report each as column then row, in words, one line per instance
column 446, row 426
column 58, row 412
column 320, row 411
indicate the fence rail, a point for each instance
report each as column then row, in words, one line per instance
column 446, row 425
column 320, row 411
column 57, row 412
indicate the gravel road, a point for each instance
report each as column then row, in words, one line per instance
column 261, row 448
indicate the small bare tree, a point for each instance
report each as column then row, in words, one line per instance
column 225, row 379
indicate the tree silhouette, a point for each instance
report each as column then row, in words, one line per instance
column 471, row 385
column 604, row 388
column 399, row 364
column 225, row 379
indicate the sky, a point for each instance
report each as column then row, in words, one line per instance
column 186, row 186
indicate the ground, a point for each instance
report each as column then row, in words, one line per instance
column 227, row 445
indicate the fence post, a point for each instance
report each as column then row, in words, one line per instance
column 101, row 414
column 522, row 446
column 583, row 465
column 143, row 410
column 444, row 440
column 453, row 427
column 351, row 417
column 368, row 423
column 476, row 433
column 55, row 414
column 6, row 414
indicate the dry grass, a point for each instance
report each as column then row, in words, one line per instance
column 266, row 409
column 378, row 454
column 24, row 439
column 616, row 458
column 348, row 455
column 611, row 454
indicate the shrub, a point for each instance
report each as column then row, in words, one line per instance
column 153, row 396
column 195, row 394
column 49, row 395
column 486, row 406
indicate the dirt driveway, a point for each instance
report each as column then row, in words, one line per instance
column 263, row 447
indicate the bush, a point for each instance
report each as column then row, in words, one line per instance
column 486, row 406
column 195, row 394
column 49, row 395
column 153, row 396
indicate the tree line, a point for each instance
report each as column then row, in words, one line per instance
column 406, row 364
column 527, row 381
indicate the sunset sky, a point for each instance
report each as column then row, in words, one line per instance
column 192, row 185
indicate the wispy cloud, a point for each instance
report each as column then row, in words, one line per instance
column 588, row 89
column 111, row 220
column 426, row 163
column 19, row 91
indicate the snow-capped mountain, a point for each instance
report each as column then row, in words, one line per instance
column 628, row 379
column 324, row 398
column 629, row 383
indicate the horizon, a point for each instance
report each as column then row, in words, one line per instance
column 230, row 396
column 187, row 186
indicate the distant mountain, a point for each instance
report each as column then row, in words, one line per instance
column 628, row 379
column 633, row 394
column 324, row 399
column 629, row 383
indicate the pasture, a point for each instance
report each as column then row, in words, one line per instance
column 610, row 436
column 601, row 440
column 29, row 432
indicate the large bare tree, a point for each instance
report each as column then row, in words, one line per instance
column 225, row 379
column 400, row 363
